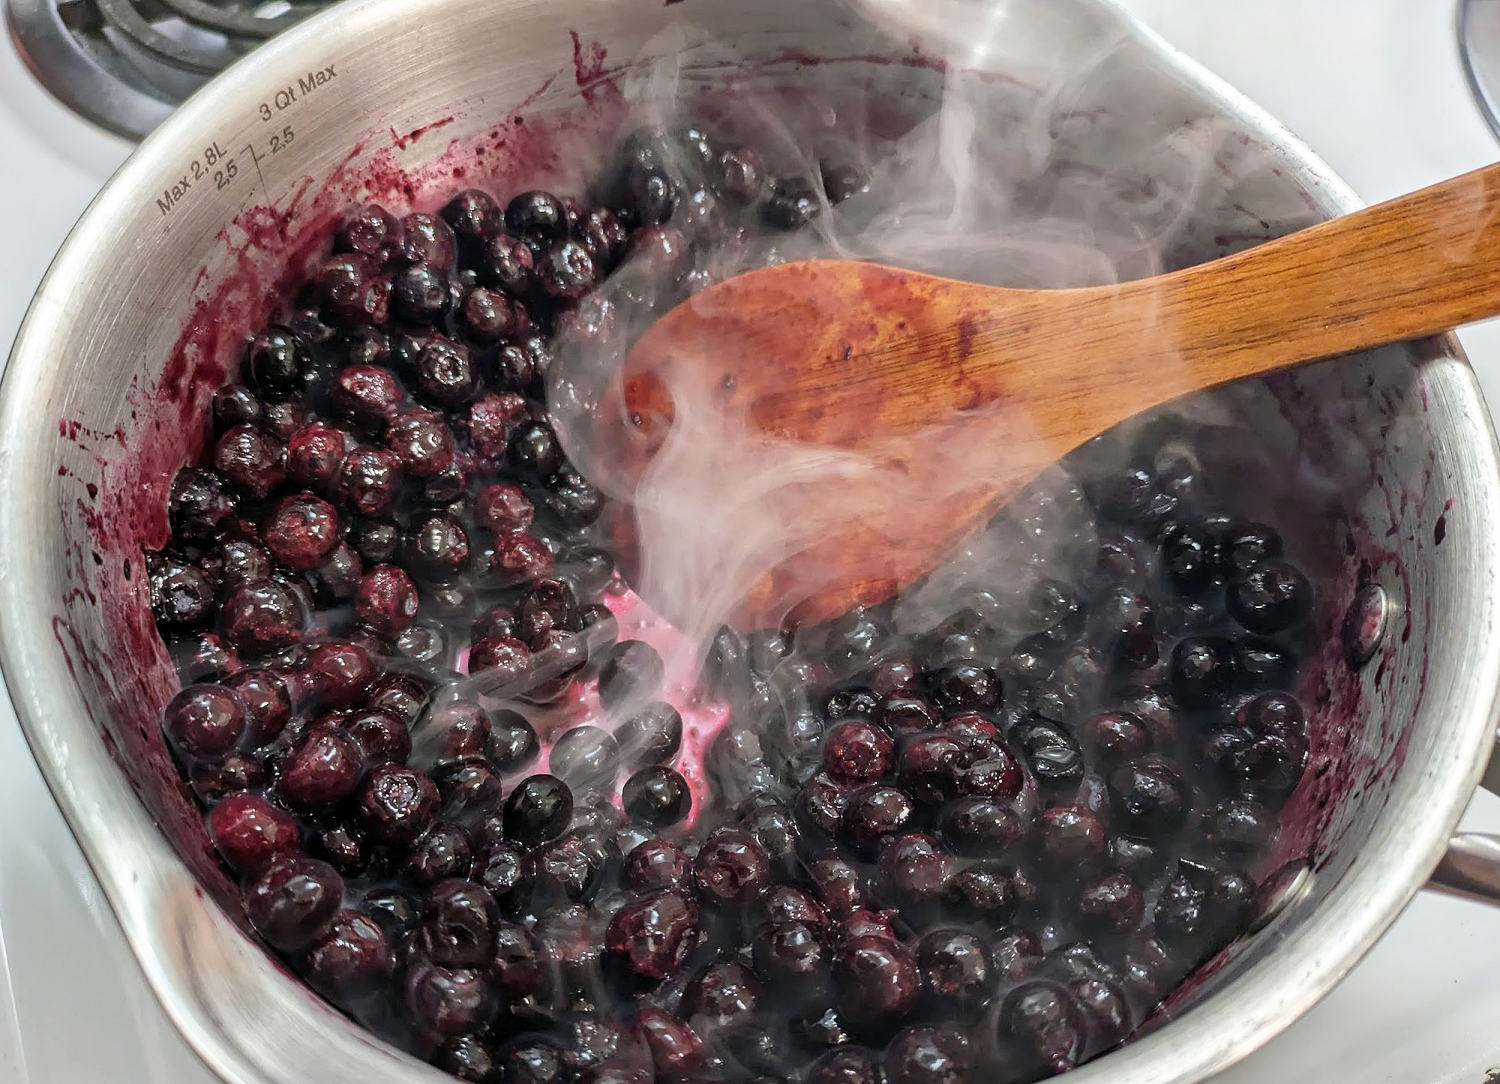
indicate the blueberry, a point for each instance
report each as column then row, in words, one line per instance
column 1202, row 670
column 1270, row 598
column 538, row 809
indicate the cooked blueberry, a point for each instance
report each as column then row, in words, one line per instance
column 657, row 796
column 293, row 901
column 538, row 809
column 538, row 216
column 792, row 203
column 1043, row 1024
column 1270, row 598
column 632, row 670
column 1202, row 670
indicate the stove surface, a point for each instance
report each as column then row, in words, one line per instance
column 1376, row 87
column 126, row 64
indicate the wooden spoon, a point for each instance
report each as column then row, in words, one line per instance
column 959, row 395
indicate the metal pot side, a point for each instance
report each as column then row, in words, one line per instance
column 1388, row 463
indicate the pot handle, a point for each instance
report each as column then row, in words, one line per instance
column 1471, row 868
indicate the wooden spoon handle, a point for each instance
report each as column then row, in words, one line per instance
column 1414, row 266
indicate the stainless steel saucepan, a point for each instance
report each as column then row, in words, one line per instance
column 144, row 310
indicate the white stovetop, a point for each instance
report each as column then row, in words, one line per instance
column 1374, row 86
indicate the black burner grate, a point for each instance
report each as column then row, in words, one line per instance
column 126, row 64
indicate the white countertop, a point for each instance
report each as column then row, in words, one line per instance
column 1374, row 86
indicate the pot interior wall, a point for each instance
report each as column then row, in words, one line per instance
column 1352, row 456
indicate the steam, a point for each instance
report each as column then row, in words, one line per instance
column 982, row 183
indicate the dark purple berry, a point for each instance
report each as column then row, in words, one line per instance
column 396, row 804
column 876, row 978
column 929, row 1055
column 1043, row 1025
column 448, row 1001
column 351, row 958
column 731, row 867
column 198, row 504
column 653, row 936
column 1270, row 598
column 858, row 751
column 1202, row 671
column 632, row 671
column 250, row 833
column 292, row 902
column 251, row 459
column 536, row 216
column 656, row 796
column 1149, row 798
column 585, row 757
column 538, row 810
column 534, row 452
column 205, row 720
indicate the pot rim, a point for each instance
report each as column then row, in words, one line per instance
column 1383, row 879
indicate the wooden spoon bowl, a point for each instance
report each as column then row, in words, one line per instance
column 950, row 397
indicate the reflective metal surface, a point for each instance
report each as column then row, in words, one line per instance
column 126, row 64
column 1479, row 42
column 100, row 404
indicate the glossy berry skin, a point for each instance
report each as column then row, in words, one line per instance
column 656, row 796
column 386, row 599
column 1149, row 798
column 1110, row 906
column 956, row 968
column 1202, row 671
column 876, row 978
column 676, row 1051
column 274, row 363
column 198, row 503
column 368, row 481
column 250, row 833
column 448, row 1001
column 536, row 216
column 875, row 813
column 337, row 672
column 928, row 1055
column 420, row 294
column 1041, row 1023
column 980, row 827
column 504, row 508
column 585, row 756
column 396, row 804
column 652, row 936
column 268, row 703
column 351, row 958
column 845, row 1065
column 731, row 868
column 512, row 743
column 632, row 671
column 205, row 720
column 652, row 735
column 322, row 769
column 567, row 272
column 293, row 901
column 858, row 751
column 534, row 452
column 302, row 531
column 723, row 995
column 1269, row 598
column 538, row 809
column 251, row 460
column 1069, row 837
column 459, row 919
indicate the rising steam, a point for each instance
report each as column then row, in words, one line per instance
column 976, row 183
